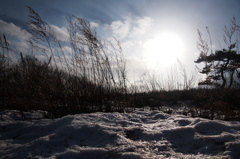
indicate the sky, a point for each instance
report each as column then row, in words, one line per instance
column 153, row 33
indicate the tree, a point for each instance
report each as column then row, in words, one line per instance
column 222, row 67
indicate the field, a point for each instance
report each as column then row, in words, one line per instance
column 79, row 96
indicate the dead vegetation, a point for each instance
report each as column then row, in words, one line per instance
column 92, row 77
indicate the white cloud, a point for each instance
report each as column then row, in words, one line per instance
column 94, row 24
column 61, row 33
column 120, row 29
column 131, row 32
column 131, row 27
column 18, row 37
column 13, row 30
column 142, row 26
column 133, row 48
column 15, row 35
column 67, row 49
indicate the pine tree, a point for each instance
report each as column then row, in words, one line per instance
column 222, row 67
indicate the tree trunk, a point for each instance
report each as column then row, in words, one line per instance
column 231, row 79
column 223, row 78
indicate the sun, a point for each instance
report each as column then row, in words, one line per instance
column 163, row 49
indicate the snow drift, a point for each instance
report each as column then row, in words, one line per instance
column 142, row 134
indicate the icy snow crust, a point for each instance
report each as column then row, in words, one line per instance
column 143, row 134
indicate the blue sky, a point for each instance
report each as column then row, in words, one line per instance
column 136, row 23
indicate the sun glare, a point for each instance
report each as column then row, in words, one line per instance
column 163, row 49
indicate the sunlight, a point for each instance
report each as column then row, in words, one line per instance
column 164, row 49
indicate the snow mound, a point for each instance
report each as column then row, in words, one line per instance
column 138, row 135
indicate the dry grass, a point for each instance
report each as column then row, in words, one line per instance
column 92, row 77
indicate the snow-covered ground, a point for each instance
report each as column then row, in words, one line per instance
column 142, row 134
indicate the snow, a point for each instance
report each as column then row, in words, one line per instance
column 142, row 134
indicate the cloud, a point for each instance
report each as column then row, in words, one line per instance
column 61, row 33
column 131, row 27
column 13, row 30
column 131, row 32
column 133, row 48
column 120, row 29
column 67, row 49
column 94, row 24
column 16, row 36
column 142, row 26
